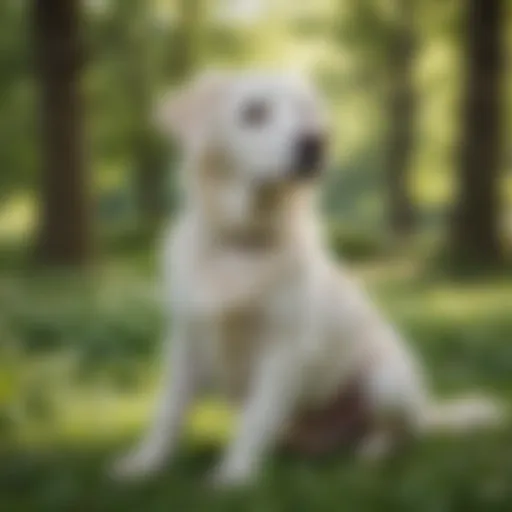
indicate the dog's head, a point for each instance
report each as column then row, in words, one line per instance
column 252, row 141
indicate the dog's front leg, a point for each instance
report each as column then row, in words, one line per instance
column 272, row 398
column 159, row 443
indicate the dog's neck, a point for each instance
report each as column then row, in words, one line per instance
column 271, row 228
column 291, row 230
column 251, row 239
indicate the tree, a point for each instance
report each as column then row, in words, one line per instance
column 475, row 236
column 65, row 230
column 401, row 118
column 383, row 37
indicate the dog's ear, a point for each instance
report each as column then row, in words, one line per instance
column 183, row 114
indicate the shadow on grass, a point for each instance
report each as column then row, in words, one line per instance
column 468, row 474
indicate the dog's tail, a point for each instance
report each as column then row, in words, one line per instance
column 464, row 414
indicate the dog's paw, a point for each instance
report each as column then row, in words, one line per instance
column 136, row 465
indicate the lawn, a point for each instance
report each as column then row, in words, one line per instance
column 77, row 370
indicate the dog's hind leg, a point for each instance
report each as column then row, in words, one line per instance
column 396, row 399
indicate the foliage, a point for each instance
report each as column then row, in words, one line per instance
column 134, row 46
column 18, row 147
column 357, row 245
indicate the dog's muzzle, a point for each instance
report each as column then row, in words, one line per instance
column 309, row 155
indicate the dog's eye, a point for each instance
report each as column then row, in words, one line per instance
column 255, row 114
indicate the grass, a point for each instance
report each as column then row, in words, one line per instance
column 77, row 372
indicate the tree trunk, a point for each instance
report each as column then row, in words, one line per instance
column 475, row 230
column 65, row 231
column 401, row 119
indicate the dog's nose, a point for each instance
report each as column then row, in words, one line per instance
column 309, row 155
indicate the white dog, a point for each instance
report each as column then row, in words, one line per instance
column 257, row 303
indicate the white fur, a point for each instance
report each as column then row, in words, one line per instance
column 280, row 327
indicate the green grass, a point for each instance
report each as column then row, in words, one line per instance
column 77, row 374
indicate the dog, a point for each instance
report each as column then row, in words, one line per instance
column 257, row 303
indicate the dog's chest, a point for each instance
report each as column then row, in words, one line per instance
column 233, row 349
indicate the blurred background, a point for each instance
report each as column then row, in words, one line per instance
column 418, row 199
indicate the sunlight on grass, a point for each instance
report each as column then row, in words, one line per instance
column 471, row 302
column 101, row 415
column 396, row 287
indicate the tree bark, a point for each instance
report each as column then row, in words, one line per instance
column 401, row 121
column 475, row 230
column 65, row 231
